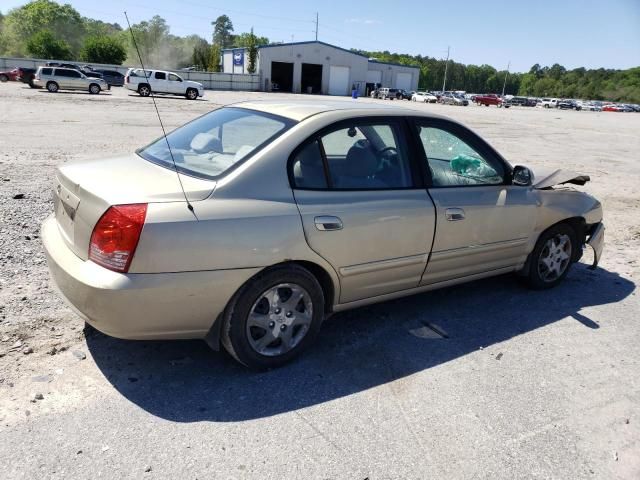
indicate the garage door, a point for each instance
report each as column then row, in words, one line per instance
column 338, row 80
column 403, row 81
column 374, row 76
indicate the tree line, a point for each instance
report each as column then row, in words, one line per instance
column 554, row 81
column 46, row 29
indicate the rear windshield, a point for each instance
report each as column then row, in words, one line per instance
column 215, row 142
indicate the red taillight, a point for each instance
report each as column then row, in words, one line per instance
column 126, row 79
column 115, row 236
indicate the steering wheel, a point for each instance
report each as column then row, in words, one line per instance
column 385, row 155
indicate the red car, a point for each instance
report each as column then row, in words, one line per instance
column 490, row 99
column 612, row 108
column 11, row 75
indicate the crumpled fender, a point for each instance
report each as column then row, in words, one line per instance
column 548, row 177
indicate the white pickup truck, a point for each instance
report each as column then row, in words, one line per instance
column 548, row 103
column 158, row 81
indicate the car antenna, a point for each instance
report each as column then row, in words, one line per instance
column 164, row 133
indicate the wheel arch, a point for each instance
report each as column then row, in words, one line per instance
column 324, row 278
column 577, row 223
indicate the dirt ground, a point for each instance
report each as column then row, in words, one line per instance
column 527, row 384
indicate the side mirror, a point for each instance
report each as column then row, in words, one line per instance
column 521, row 176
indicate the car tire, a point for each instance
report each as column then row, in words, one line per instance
column 144, row 90
column 94, row 89
column 4, row 78
column 556, row 248
column 245, row 342
column 52, row 87
column 192, row 94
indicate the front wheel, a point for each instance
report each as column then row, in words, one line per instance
column 94, row 89
column 4, row 78
column 273, row 317
column 192, row 94
column 552, row 257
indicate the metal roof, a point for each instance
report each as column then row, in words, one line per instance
column 290, row 44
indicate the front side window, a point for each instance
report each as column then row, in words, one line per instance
column 357, row 157
column 174, row 78
column 213, row 143
column 454, row 163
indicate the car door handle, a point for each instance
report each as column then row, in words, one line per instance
column 454, row 214
column 327, row 223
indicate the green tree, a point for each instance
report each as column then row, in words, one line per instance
column 45, row 45
column 244, row 39
column 201, row 54
column 252, row 50
column 222, row 31
column 103, row 49
column 214, row 58
column 62, row 21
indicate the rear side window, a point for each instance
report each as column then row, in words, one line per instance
column 308, row 168
column 60, row 72
column 160, row 76
column 46, row 71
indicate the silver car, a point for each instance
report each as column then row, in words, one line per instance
column 263, row 218
column 57, row 78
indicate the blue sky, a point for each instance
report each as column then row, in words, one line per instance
column 574, row 33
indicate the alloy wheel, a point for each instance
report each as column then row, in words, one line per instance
column 554, row 258
column 279, row 319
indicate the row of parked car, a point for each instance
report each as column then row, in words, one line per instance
column 27, row 75
column 67, row 76
column 463, row 99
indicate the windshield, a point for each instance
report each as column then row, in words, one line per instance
column 213, row 143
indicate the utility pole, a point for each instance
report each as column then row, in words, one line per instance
column 446, row 64
column 316, row 26
column 505, row 77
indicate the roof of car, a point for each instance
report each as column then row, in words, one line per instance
column 300, row 109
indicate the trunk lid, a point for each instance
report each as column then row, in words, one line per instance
column 83, row 191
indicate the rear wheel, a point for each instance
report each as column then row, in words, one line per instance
column 144, row 90
column 52, row 87
column 192, row 94
column 273, row 317
column 552, row 256
column 94, row 88
column 4, row 78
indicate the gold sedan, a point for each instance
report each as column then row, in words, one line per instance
column 251, row 224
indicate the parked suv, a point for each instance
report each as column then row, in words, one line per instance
column 384, row 93
column 158, row 81
column 55, row 78
column 84, row 69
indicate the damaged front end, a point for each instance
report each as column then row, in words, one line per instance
column 573, row 204
column 547, row 178
column 595, row 239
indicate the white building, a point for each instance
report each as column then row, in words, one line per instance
column 317, row 67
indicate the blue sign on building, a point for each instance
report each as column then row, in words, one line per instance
column 238, row 58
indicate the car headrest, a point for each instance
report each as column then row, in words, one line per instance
column 205, row 143
column 360, row 161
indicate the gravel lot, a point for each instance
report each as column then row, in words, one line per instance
column 526, row 384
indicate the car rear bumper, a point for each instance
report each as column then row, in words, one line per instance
column 139, row 306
